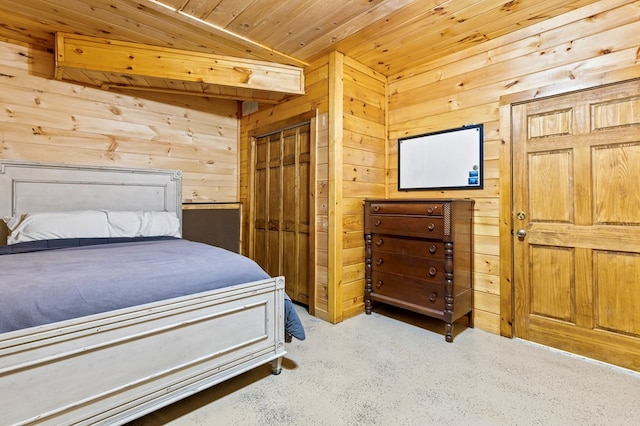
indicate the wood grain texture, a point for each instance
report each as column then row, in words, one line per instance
column 51, row 121
column 362, row 169
column 387, row 36
column 108, row 63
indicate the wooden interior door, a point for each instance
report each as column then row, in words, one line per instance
column 576, row 205
column 282, row 213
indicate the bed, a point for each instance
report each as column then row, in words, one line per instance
column 123, row 361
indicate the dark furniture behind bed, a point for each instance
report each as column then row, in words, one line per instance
column 211, row 224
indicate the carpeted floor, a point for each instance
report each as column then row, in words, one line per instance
column 379, row 370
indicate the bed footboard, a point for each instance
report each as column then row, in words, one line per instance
column 114, row 367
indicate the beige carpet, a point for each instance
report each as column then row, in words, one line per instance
column 378, row 370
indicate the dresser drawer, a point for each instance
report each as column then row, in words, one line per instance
column 408, row 289
column 413, row 226
column 408, row 247
column 418, row 267
column 430, row 209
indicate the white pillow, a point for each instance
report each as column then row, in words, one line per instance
column 55, row 225
column 123, row 224
column 91, row 224
column 143, row 224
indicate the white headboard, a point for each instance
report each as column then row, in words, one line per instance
column 27, row 187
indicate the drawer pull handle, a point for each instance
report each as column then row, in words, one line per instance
column 379, row 261
column 376, row 208
column 378, row 222
column 433, row 271
column 430, row 210
column 433, row 248
column 379, row 284
column 432, row 297
column 379, row 242
column 431, row 226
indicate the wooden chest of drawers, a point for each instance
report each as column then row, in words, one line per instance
column 419, row 257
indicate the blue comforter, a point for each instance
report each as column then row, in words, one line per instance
column 104, row 277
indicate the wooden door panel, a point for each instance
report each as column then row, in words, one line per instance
column 258, row 251
column 304, row 202
column 290, row 263
column 304, row 267
column 289, row 197
column 274, row 198
column 273, row 253
column 614, row 348
column 260, row 208
column 260, row 184
column 551, row 193
column 623, row 111
column 261, row 152
column 552, row 278
column 618, row 292
column 550, row 123
column 576, row 160
column 616, row 189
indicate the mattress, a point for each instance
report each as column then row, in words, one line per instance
column 46, row 286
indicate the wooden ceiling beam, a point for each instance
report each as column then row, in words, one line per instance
column 101, row 59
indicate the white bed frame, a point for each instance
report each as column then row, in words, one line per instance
column 113, row 367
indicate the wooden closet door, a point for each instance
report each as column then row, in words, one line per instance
column 282, row 208
column 577, row 222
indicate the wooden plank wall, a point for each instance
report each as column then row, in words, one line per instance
column 362, row 171
column 322, row 217
column 597, row 44
column 51, row 121
column 267, row 119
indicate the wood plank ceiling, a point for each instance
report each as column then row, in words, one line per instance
column 389, row 36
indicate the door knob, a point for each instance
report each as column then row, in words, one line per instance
column 521, row 233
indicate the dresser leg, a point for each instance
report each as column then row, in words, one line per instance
column 448, row 328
